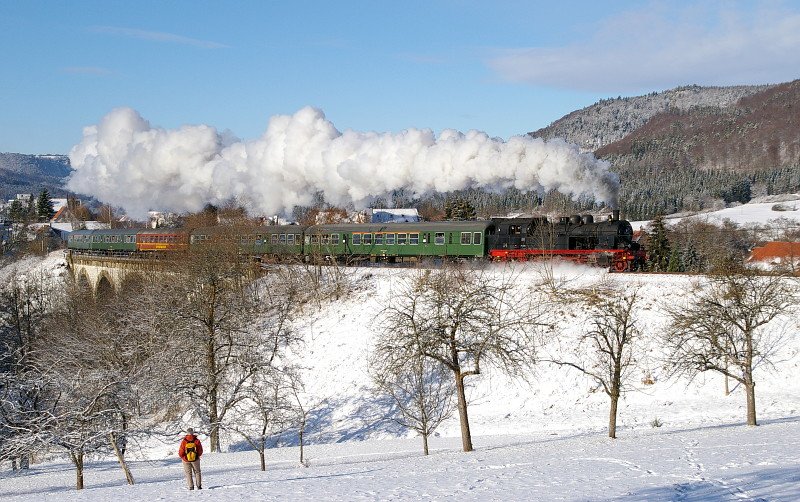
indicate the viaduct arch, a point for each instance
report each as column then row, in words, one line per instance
column 106, row 273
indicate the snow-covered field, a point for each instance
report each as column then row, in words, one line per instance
column 703, row 463
column 759, row 211
column 543, row 439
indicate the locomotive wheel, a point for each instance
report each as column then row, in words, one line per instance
column 620, row 266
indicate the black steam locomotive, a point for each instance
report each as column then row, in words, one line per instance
column 576, row 238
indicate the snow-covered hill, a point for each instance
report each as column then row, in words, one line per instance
column 540, row 439
column 759, row 212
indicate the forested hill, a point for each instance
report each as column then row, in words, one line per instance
column 693, row 148
column 21, row 173
column 760, row 131
column 610, row 120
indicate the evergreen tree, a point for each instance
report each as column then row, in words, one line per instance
column 44, row 206
column 460, row 209
column 691, row 259
column 675, row 264
column 16, row 212
column 659, row 247
column 31, row 210
column 465, row 210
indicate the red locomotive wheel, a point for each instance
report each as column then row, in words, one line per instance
column 620, row 266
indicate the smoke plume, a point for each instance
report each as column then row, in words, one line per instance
column 124, row 161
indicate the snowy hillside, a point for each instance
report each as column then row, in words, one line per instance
column 759, row 211
column 540, row 439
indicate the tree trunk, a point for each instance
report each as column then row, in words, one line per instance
column 213, row 400
column 750, row 390
column 120, row 458
column 214, row 432
column 466, row 436
column 425, row 443
column 612, row 417
column 300, row 434
column 749, row 383
column 77, row 461
column 263, row 460
column 727, row 382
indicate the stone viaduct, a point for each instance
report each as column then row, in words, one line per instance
column 108, row 273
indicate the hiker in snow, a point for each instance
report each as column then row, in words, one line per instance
column 190, row 452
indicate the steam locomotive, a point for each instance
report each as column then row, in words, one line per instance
column 577, row 238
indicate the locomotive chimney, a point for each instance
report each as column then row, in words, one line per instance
column 615, row 215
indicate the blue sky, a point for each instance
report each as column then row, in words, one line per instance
column 501, row 67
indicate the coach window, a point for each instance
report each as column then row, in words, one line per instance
column 356, row 239
column 438, row 239
column 282, row 239
column 401, row 239
column 476, row 238
column 367, row 239
column 326, row 239
column 379, row 239
column 390, row 239
column 315, row 239
column 335, row 239
column 466, row 238
column 413, row 239
column 273, row 238
column 290, row 239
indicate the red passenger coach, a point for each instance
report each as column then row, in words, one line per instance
column 168, row 239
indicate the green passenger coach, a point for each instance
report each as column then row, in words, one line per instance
column 106, row 241
column 397, row 242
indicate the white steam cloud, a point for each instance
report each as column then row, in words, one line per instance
column 124, row 161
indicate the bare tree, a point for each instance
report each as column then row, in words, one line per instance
column 266, row 411
column 215, row 306
column 302, row 407
column 420, row 388
column 266, row 408
column 604, row 351
column 462, row 318
column 24, row 304
column 722, row 327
